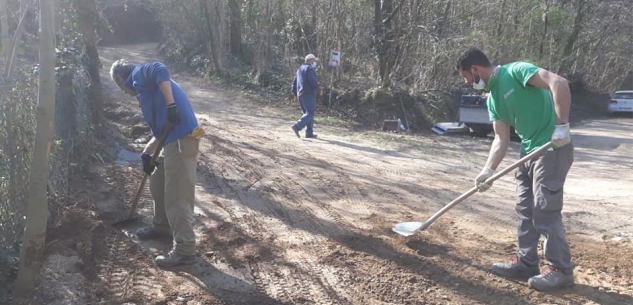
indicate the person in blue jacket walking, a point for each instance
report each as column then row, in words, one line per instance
column 306, row 88
column 173, row 181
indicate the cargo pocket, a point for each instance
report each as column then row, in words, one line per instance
column 549, row 195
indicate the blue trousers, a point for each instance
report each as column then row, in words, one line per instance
column 308, row 106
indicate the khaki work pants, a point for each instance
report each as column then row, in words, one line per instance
column 173, row 189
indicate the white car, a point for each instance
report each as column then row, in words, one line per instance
column 621, row 101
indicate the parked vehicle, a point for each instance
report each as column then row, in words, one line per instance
column 621, row 101
column 473, row 112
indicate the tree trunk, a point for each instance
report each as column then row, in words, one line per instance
column 207, row 30
column 385, row 39
column 544, row 35
column 218, row 13
column 444, row 20
column 501, row 20
column 4, row 25
column 380, row 39
column 33, row 242
column 251, row 14
column 263, row 54
column 236, row 28
column 87, row 15
column 15, row 42
column 573, row 37
column 12, row 152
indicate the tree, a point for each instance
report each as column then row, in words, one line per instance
column 4, row 25
column 236, row 28
column 545, row 17
column 408, row 42
column 385, row 39
column 209, row 36
column 582, row 10
column 33, row 242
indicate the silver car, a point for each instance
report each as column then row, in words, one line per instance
column 621, row 101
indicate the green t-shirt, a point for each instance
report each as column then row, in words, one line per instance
column 530, row 110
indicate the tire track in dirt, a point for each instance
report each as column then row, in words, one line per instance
column 289, row 181
column 378, row 166
column 122, row 282
column 300, row 214
column 240, row 215
column 270, row 278
column 268, row 286
column 291, row 188
column 341, row 188
column 253, row 171
column 318, row 196
column 294, row 192
column 296, row 188
column 291, row 174
column 328, row 280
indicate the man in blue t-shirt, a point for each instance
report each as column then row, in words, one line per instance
column 172, row 182
column 305, row 87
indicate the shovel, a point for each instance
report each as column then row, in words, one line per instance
column 131, row 217
column 410, row 228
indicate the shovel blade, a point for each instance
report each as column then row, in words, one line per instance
column 408, row 228
column 126, row 221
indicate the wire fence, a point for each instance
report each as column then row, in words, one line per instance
column 73, row 134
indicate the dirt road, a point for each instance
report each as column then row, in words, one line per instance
column 282, row 220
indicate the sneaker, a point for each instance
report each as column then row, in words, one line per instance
column 150, row 233
column 515, row 269
column 312, row 136
column 174, row 258
column 296, row 130
column 551, row 279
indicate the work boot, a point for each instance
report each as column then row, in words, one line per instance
column 296, row 130
column 174, row 258
column 551, row 279
column 150, row 233
column 312, row 136
column 515, row 269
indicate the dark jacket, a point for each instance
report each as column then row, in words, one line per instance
column 305, row 82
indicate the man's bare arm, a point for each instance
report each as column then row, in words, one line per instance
column 165, row 89
column 559, row 87
column 499, row 145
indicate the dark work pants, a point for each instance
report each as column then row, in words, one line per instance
column 539, row 204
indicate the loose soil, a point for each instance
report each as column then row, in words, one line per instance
column 281, row 220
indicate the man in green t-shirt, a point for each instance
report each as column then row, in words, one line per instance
column 536, row 103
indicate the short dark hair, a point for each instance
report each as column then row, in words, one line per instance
column 470, row 57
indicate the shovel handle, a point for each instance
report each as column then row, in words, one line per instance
column 494, row 177
column 518, row 163
column 137, row 197
column 139, row 191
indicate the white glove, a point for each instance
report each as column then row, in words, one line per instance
column 561, row 136
column 485, row 174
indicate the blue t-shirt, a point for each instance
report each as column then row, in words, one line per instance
column 144, row 79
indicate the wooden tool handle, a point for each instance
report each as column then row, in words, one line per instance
column 139, row 191
column 518, row 163
column 494, row 177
